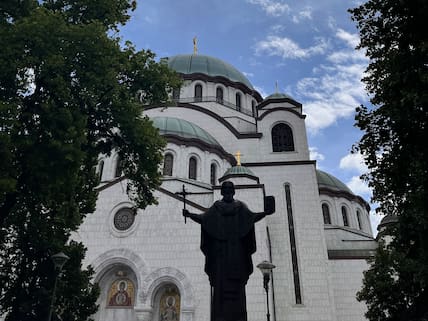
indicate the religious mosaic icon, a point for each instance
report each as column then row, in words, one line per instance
column 121, row 294
column 123, row 219
column 170, row 305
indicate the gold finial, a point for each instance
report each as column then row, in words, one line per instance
column 238, row 158
column 195, row 45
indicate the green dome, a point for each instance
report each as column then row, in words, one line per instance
column 210, row 66
column 238, row 170
column 329, row 181
column 182, row 128
column 387, row 220
column 278, row 96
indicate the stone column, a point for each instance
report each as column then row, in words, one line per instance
column 187, row 314
column 144, row 314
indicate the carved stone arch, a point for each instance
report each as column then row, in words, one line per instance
column 161, row 276
column 114, row 257
column 113, row 268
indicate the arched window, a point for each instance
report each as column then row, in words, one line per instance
column 100, row 170
column 219, row 95
column 119, row 168
column 167, row 164
column 253, row 108
column 360, row 223
column 213, row 176
column 198, row 92
column 238, row 101
column 282, row 138
column 326, row 213
column 345, row 216
column 192, row 167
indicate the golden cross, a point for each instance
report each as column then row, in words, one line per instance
column 195, row 45
column 238, row 158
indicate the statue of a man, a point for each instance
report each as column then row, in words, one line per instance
column 228, row 241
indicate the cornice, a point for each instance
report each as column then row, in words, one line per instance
column 279, row 100
column 218, row 150
column 268, row 111
column 279, row 163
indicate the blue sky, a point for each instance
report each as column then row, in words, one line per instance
column 305, row 46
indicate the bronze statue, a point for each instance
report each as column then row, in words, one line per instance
column 228, row 241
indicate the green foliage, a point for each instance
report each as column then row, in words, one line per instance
column 67, row 94
column 393, row 33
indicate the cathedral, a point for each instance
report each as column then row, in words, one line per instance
column 149, row 265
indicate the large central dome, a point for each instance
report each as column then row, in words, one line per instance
column 210, row 66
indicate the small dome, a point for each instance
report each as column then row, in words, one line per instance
column 387, row 220
column 278, row 96
column 182, row 128
column 239, row 170
column 329, row 181
column 210, row 66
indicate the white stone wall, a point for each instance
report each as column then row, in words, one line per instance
column 346, row 276
column 310, row 243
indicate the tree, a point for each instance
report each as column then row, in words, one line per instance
column 393, row 33
column 67, row 95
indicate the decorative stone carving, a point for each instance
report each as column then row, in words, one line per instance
column 123, row 219
column 167, row 275
column 120, row 256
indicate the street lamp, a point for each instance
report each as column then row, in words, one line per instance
column 266, row 268
column 58, row 260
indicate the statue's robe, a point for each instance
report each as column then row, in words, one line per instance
column 228, row 241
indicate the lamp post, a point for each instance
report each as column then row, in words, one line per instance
column 266, row 268
column 58, row 260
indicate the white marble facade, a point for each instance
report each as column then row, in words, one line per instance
column 319, row 261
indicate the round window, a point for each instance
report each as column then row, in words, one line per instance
column 123, row 219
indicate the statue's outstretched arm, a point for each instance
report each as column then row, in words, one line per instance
column 269, row 208
column 195, row 217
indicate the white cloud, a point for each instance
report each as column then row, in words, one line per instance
column 336, row 89
column 354, row 162
column 272, row 8
column 314, row 154
column 305, row 14
column 287, row 48
column 277, row 28
column 248, row 74
column 351, row 39
column 359, row 187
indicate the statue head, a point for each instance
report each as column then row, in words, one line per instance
column 227, row 191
